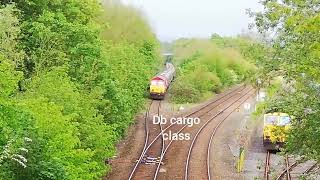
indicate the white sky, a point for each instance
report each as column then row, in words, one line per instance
column 171, row 19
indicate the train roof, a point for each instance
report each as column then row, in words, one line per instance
column 167, row 54
column 276, row 114
column 159, row 77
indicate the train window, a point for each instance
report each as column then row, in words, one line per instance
column 284, row 120
column 271, row 119
column 153, row 83
column 157, row 83
column 160, row 83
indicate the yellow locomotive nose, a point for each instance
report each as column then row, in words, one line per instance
column 275, row 130
column 157, row 89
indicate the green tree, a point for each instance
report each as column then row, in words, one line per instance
column 295, row 56
column 10, row 57
column 68, row 86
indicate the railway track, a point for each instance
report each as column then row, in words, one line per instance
column 287, row 173
column 309, row 169
column 267, row 166
column 211, row 139
column 151, row 147
column 200, row 147
column 148, row 126
column 216, row 113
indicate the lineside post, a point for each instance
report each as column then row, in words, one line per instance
column 240, row 162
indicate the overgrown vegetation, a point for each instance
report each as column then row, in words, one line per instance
column 68, row 90
column 295, row 57
column 208, row 66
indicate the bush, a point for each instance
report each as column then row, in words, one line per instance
column 203, row 67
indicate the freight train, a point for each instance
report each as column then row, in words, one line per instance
column 275, row 128
column 161, row 82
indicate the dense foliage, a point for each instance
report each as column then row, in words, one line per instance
column 68, row 91
column 296, row 46
column 208, row 66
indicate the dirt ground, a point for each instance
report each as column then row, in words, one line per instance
column 175, row 159
column 238, row 130
column 128, row 151
column 130, row 147
column 226, row 143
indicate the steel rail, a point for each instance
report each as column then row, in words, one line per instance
column 162, row 148
column 202, row 127
column 240, row 88
column 147, row 146
column 145, row 141
column 192, row 113
column 309, row 169
column 211, row 139
column 288, row 169
column 267, row 166
column 198, row 110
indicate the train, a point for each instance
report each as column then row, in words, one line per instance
column 275, row 129
column 160, row 83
